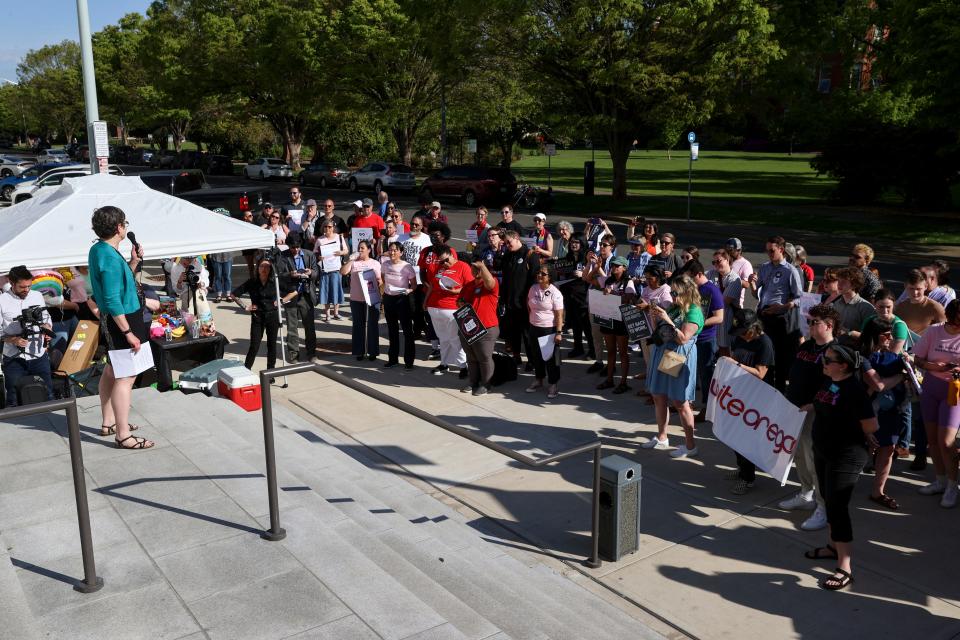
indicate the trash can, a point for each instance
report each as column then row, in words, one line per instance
column 589, row 176
column 619, row 507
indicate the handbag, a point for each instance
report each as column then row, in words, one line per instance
column 671, row 363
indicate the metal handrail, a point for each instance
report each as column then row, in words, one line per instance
column 276, row 532
column 91, row 582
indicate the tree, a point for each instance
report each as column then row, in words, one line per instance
column 51, row 80
column 122, row 80
column 627, row 66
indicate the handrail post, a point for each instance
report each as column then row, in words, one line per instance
column 276, row 532
column 91, row 582
column 594, row 561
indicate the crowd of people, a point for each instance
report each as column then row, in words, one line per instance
column 873, row 371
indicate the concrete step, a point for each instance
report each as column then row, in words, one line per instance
column 15, row 616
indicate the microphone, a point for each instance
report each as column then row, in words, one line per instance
column 136, row 245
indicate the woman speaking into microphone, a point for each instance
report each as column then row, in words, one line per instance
column 121, row 319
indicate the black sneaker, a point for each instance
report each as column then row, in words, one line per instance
column 596, row 366
column 528, row 367
column 439, row 370
column 408, row 367
column 576, row 353
column 371, row 358
column 464, row 373
column 390, row 365
column 434, row 355
column 480, row 391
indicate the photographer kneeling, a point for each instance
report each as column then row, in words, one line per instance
column 23, row 318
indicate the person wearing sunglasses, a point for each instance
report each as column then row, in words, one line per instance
column 618, row 283
column 330, row 215
column 844, row 428
column 445, row 280
column 545, row 306
column 482, row 227
column 507, row 223
column 777, row 286
column 330, row 281
column 732, row 288
column 399, row 281
column 805, row 377
column 394, row 213
column 542, row 240
column 860, row 258
column 364, row 271
column 575, row 297
column 646, row 229
column 669, row 258
column 598, row 266
column 278, row 229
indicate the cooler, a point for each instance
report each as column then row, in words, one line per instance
column 241, row 386
column 204, row 377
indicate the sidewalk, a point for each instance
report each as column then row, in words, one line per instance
column 708, row 559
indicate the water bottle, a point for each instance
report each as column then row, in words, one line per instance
column 195, row 329
column 953, row 390
column 167, row 334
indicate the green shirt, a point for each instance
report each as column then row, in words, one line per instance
column 899, row 330
column 693, row 315
column 114, row 288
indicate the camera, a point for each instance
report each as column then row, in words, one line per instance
column 31, row 316
column 192, row 277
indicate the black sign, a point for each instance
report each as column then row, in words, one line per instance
column 638, row 327
column 468, row 324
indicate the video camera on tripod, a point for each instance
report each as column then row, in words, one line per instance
column 191, row 276
column 31, row 322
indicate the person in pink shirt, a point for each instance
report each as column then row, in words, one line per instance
column 399, row 281
column 365, row 317
column 738, row 264
column 545, row 305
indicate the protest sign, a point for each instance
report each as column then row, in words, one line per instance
column 807, row 302
column 753, row 419
column 638, row 326
column 360, row 233
column 468, row 324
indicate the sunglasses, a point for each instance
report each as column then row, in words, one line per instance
column 274, row 217
column 812, row 322
column 715, row 261
column 666, row 242
column 543, row 275
column 605, row 244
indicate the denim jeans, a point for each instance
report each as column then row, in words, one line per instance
column 16, row 368
column 222, row 281
column 706, row 363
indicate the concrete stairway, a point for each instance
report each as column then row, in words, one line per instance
column 367, row 554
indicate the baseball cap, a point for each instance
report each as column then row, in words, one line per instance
column 358, row 204
column 742, row 320
column 539, row 216
column 435, row 204
column 367, row 202
column 311, row 202
column 637, row 239
column 267, row 205
column 619, row 261
column 734, row 243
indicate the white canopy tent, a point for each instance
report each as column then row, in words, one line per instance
column 54, row 230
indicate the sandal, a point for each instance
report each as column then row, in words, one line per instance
column 835, row 583
column 606, row 384
column 138, row 443
column 815, row 554
column 623, row 387
column 885, row 501
column 112, row 429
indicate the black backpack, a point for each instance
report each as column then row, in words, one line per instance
column 504, row 369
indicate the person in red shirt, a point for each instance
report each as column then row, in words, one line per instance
column 483, row 294
column 445, row 280
column 366, row 220
column 439, row 234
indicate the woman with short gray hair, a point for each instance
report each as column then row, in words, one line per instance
column 562, row 246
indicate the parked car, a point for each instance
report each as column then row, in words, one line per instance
column 381, row 175
column 214, row 165
column 54, row 178
column 53, row 155
column 14, row 165
column 163, row 159
column 188, row 160
column 122, row 154
column 323, row 174
column 175, row 181
column 266, row 168
column 471, row 184
column 8, row 184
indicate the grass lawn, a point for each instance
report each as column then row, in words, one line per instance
column 772, row 189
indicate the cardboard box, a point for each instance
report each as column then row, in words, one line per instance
column 81, row 348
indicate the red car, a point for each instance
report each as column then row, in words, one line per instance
column 473, row 185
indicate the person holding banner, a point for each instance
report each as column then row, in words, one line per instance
column 672, row 378
column 753, row 352
column 444, row 284
column 598, row 266
column 545, row 304
column 484, row 296
column 330, row 247
column 481, row 227
column 399, row 281
column 365, row 286
column 844, row 425
column 618, row 283
column 655, row 292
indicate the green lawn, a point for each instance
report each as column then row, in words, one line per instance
column 747, row 188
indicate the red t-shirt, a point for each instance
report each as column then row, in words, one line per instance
column 484, row 302
column 428, row 262
column 372, row 221
column 440, row 298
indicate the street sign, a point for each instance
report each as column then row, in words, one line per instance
column 691, row 137
column 101, row 144
column 103, row 164
column 471, row 145
column 550, row 149
column 694, row 150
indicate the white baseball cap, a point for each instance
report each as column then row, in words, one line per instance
column 540, row 216
column 358, row 204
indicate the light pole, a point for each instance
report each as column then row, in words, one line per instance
column 89, row 86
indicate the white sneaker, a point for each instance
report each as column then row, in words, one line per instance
column 949, row 499
column 683, row 452
column 817, row 521
column 932, row 489
column 656, row 443
column 798, row 501
column 536, row 385
column 552, row 391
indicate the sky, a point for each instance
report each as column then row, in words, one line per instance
column 31, row 24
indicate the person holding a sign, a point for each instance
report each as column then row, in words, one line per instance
column 308, row 226
column 483, row 295
column 444, row 284
column 479, row 229
column 671, row 372
column 542, row 240
column 428, row 264
column 366, row 219
column 292, row 212
column 366, row 284
column 545, row 304
column 390, row 235
column 330, row 248
column 753, row 352
column 618, row 283
column 844, row 425
column 655, row 292
column 399, row 281
column 394, row 213
column 599, row 266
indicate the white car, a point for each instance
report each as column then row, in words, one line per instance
column 53, row 155
column 14, row 165
column 381, row 175
column 266, row 168
column 53, row 179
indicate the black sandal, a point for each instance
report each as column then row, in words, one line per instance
column 106, row 430
column 606, row 384
column 834, row 583
column 885, row 501
column 623, row 387
column 138, row 443
column 814, row 554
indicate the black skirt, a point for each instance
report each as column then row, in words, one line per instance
column 116, row 339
